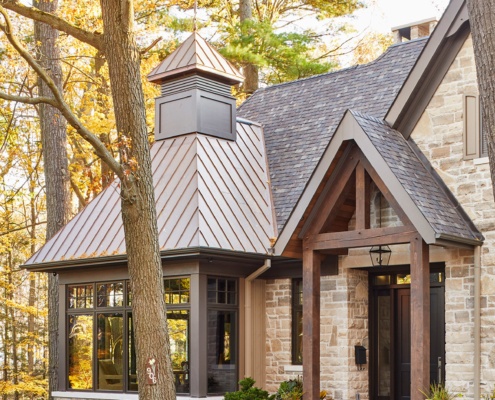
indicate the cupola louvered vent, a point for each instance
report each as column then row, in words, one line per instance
column 195, row 92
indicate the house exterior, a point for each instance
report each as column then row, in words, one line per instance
column 266, row 223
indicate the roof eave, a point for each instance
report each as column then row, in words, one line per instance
column 169, row 255
column 159, row 78
column 443, row 239
column 453, row 19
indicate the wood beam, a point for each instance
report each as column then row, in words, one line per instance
column 361, row 238
column 311, row 323
column 362, row 198
column 420, row 318
column 331, row 194
column 384, row 190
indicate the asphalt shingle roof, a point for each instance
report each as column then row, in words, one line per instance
column 299, row 118
column 445, row 217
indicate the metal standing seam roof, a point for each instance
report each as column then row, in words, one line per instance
column 195, row 55
column 299, row 118
column 209, row 192
column 445, row 217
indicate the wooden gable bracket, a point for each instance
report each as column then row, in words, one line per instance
column 356, row 171
column 357, row 167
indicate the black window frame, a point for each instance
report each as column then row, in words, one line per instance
column 297, row 309
column 125, row 310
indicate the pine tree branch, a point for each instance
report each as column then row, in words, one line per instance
column 93, row 39
column 58, row 100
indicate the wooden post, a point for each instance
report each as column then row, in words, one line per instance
column 311, row 324
column 420, row 318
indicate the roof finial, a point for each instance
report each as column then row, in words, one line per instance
column 195, row 27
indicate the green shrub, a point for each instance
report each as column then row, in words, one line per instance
column 290, row 390
column 438, row 392
column 489, row 396
column 248, row 392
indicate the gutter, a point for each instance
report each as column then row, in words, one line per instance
column 248, row 360
column 477, row 322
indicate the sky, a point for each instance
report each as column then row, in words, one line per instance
column 382, row 15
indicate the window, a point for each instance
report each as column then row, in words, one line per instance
column 100, row 337
column 177, row 295
column 222, row 335
column 475, row 145
column 297, row 323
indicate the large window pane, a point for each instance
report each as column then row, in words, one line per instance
column 297, row 316
column 110, row 351
column 222, row 351
column 178, row 329
column 80, row 351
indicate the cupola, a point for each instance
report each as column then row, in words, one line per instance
column 195, row 92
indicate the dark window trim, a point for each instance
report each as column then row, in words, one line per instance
column 296, row 307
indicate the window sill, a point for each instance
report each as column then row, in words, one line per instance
column 293, row 368
column 481, row 161
column 113, row 396
column 95, row 395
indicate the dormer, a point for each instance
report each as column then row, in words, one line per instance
column 195, row 92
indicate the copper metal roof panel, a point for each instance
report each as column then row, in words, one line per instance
column 209, row 192
column 195, row 55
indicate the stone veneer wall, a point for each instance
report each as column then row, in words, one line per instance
column 439, row 134
column 344, row 324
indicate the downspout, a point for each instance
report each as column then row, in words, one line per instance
column 248, row 370
column 477, row 322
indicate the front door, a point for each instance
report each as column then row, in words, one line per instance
column 390, row 323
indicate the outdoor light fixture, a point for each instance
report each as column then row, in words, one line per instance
column 380, row 255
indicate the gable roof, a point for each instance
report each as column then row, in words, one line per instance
column 209, row 192
column 426, row 204
column 195, row 55
column 299, row 118
column 432, row 65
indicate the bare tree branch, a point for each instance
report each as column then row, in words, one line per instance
column 58, row 100
column 93, row 39
column 28, row 100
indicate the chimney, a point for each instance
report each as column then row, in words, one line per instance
column 195, row 92
column 414, row 30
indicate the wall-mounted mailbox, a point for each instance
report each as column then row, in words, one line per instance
column 360, row 356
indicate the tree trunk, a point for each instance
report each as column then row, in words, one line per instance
column 482, row 20
column 250, row 84
column 138, row 204
column 32, row 280
column 54, row 143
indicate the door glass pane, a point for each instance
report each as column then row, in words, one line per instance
column 80, row 351
column 384, row 374
column 222, row 351
column 110, row 351
column 178, row 330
